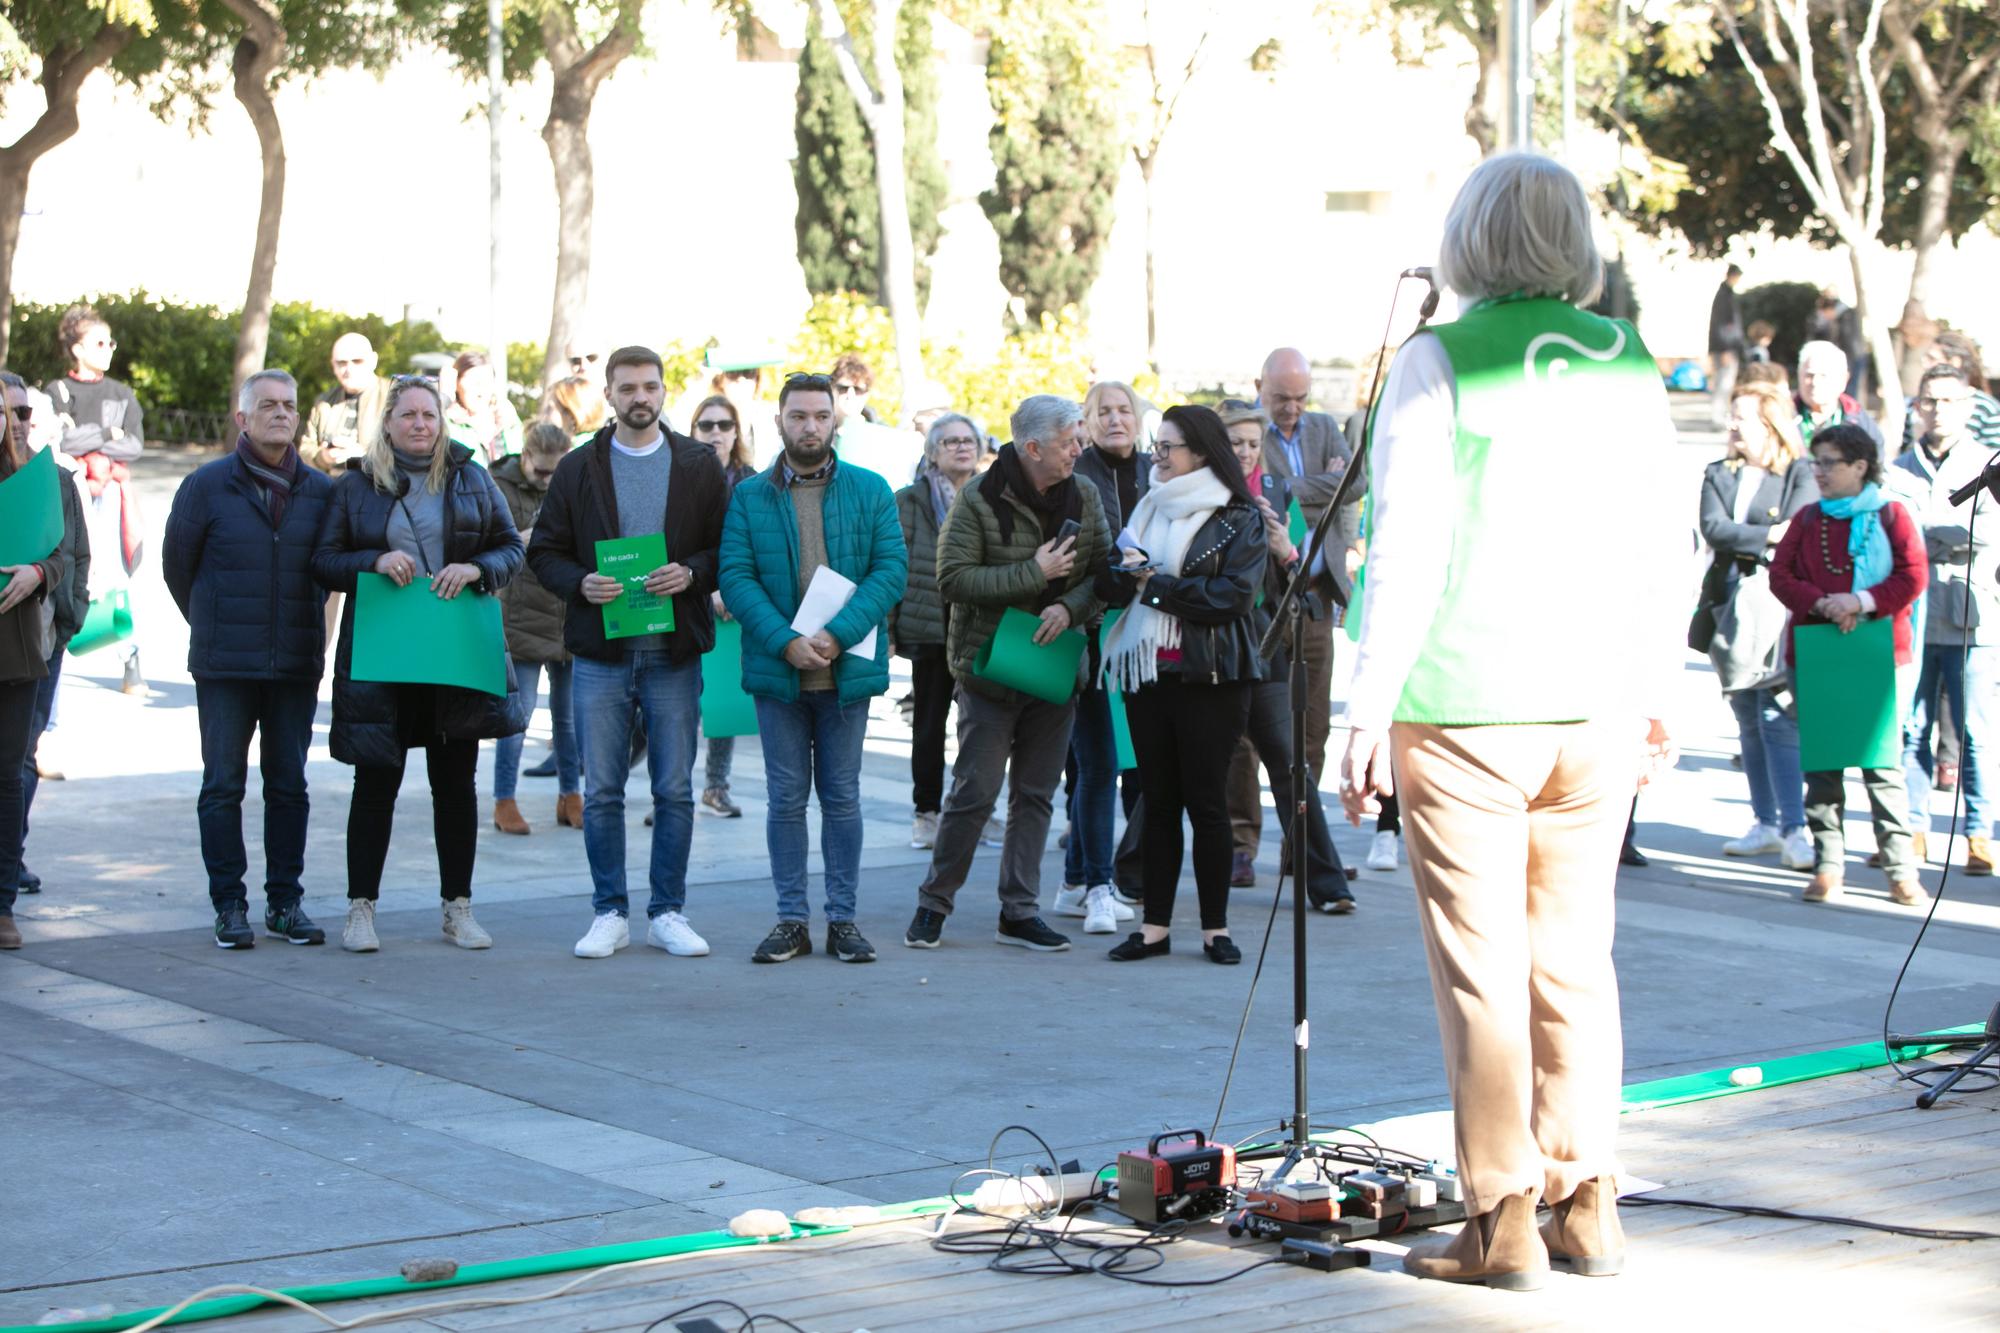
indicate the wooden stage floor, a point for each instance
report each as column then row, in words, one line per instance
column 1849, row 1146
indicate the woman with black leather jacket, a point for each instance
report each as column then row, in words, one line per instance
column 1270, row 727
column 1185, row 655
column 418, row 506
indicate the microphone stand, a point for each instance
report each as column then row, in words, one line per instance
column 1288, row 618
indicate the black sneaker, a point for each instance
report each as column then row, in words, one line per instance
column 1032, row 933
column 292, row 925
column 844, row 941
column 30, row 881
column 232, row 928
column 1223, row 950
column 787, row 940
column 925, row 927
column 1135, row 948
column 545, row 769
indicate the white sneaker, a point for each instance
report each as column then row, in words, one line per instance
column 1759, row 840
column 994, row 834
column 1119, row 907
column 461, row 929
column 1123, row 899
column 608, row 934
column 1382, row 851
column 671, row 931
column 923, row 830
column 1798, row 851
column 359, row 936
column 1070, row 901
column 1102, row 916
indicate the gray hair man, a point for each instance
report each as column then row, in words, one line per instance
column 1027, row 537
column 1821, row 398
column 238, row 560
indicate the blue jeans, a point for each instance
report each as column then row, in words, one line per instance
column 281, row 713
column 31, row 776
column 1770, row 740
column 1094, row 795
column 813, row 744
column 606, row 697
column 562, row 719
column 1967, row 687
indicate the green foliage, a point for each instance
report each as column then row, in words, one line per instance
column 1788, row 306
column 1048, row 356
column 841, row 322
column 179, row 356
column 839, row 214
column 1057, row 152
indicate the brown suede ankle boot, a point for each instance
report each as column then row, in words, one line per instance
column 1499, row 1248
column 569, row 810
column 507, row 817
column 1583, row 1230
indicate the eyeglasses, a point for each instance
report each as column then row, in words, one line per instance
column 958, row 442
column 1160, row 446
column 715, row 423
column 1931, row 402
column 577, row 363
column 851, row 390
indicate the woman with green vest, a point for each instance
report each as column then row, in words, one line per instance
column 1508, row 689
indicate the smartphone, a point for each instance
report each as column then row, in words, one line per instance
column 1069, row 531
column 1272, row 486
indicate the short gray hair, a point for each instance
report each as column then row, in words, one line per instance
column 1821, row 350
column 936, row 432
column 1521, row 223
column 1040, row 416
column 246, row 397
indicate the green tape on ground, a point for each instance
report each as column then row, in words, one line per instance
column 1776, row 1073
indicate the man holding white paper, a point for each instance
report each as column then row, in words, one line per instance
column 812, row 560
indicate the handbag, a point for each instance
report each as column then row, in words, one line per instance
column 1701, row 627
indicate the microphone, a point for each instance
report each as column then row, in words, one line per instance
column 1971, row 488
column 1423, row 273
column 1429, row 279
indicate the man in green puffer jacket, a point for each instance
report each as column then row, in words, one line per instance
column 807, row 513
column 1002, row 545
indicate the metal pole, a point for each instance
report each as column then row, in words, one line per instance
column 496, row 338
column 1568, row 78
column 1517, row 56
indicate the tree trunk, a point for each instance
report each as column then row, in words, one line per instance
column 1875, row 335
column 258, row 54
column 567, row 133
column 1483, row 113
column 63, row 71
column 1152, row 303
column 1933, row 199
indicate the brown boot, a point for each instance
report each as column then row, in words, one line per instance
column 569, row 810
column 507, row 817
column 1908, row 893
column 1499, row 1248
column 1978, row 856
column 1825, row 887
column 10, row 934
column 1583, row 1231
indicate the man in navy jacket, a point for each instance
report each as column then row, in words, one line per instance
column 238, row 561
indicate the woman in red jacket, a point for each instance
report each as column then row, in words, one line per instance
column 1855, row 554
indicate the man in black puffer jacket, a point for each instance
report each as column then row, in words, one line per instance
column 238, row 561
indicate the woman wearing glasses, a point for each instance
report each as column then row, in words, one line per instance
column 418, row 507
column 27, row 610
column 1185, row 654
column 717, row 425
column 917, row 624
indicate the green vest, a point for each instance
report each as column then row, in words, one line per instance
column 1543, row 390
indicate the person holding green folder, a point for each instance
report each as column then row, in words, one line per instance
column 1856, row 554
column 418, row 507
column 25, row 617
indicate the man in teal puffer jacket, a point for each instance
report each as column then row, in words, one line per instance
column 807, row 512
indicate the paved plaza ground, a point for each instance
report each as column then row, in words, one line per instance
column 178, row 1115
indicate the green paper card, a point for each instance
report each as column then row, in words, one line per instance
column 1352, row 624
column 1015, row 660
column 31, row 521
column 726, row 709
column 1121, row 726
column 410, row 635
column 630, row 560
column 1850, row 711
column 1295, row 527
column 108, row 621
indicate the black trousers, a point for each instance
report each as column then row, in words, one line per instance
column 17, row 707
column 930, row 680
column 1183, row 734
column 1270, row 732
column 454, row 806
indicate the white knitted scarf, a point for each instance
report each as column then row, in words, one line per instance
column 1164, row 521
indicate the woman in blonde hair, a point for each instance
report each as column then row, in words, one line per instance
column 418, row 507
column 1748, row 498
column 577, row 405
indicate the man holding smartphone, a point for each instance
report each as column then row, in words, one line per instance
column 1026, row 535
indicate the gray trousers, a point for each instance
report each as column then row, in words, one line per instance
column 1024, row 743
column 1888, row 806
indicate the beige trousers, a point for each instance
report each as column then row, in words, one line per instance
column 1513, row 836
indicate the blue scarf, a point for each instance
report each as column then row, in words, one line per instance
column 1867, row 543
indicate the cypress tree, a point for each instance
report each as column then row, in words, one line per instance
column 839, row 216
column 1056, row 151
